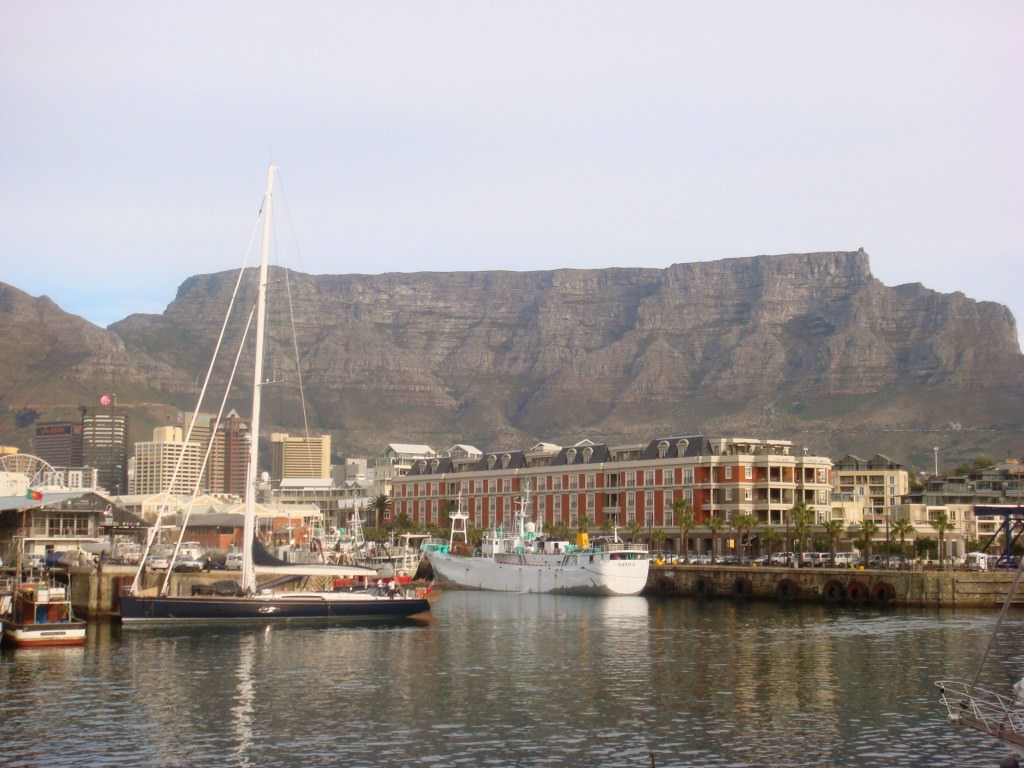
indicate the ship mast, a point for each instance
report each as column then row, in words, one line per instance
column 249, row 528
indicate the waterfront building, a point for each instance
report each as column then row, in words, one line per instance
column 395, row 461
column 299, row 457
column 167, row 464
column 957, row 496
column 229, row 456
column 105, row 448
column 58, row 443
column 633, row 485
column 867, row 490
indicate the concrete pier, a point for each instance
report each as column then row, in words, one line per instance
column 837, row 586
column 94, row 591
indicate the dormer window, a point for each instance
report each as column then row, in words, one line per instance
column 570, row 456
column 491, row 461
column 506, row 459
column 663, row 449
column 681, row 447
column 587, row 453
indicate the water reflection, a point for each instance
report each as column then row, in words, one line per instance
column 517, row 680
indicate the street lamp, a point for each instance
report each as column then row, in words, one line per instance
column 935, row 450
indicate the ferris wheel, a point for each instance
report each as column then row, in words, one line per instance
column 37, row 471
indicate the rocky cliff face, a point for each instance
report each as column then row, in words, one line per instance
column 809, row 347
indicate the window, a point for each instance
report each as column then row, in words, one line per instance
column 687, row 475
column 590, row 506
column 573, row 503
column 728, row 494
column 591, row 480
column 506, row 485
column 574, row 482
column 662, row 449
column 748, row 494
column 728, row 473
column 556, row 482
column 748, row 472
column 649, row 477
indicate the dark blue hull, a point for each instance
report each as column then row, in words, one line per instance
column 216, row 609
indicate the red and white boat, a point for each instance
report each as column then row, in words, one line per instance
column 41, row 615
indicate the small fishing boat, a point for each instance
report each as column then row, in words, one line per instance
column 41, row 615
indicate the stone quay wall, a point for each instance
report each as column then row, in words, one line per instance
column 836, row 586
column 94, row 592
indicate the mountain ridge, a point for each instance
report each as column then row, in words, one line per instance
column 808, row 347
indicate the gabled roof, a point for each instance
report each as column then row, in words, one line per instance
column 408, row 449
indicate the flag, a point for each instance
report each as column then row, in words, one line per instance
column 34, row 495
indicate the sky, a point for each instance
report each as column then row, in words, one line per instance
column 444, row 136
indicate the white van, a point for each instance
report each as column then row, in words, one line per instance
column 978, row 561
column 233, row 561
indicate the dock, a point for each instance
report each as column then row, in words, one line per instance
column 835, row 586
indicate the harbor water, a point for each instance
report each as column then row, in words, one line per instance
column 518, row 680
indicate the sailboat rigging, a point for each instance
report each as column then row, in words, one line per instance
column 986, row 711
column 251, row 601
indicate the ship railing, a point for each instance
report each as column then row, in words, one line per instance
column 983, row 710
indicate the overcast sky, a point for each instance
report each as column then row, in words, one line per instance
column 134, row 138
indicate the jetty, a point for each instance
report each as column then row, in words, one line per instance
column 835, row 586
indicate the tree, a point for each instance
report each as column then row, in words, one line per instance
column 772, row 538
column 744, row 525
column 714, row 524
column 634, row 530
column 685, row 519
column 901, row 528
column 867, row 530
column 380, row 507
column 658, row 537
column 942, row 525
column 802, row 517
column 833, row 529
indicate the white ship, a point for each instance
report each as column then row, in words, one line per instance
column 522, row 559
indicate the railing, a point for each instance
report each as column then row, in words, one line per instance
column 983, row 710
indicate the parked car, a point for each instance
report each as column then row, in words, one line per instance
column 233, row 561
column 188, row 563
column 158, row 562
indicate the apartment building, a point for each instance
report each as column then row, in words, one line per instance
column 721, row 477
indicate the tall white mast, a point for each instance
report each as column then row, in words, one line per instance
column 249, row 529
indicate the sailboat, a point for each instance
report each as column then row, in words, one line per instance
column 251, row 602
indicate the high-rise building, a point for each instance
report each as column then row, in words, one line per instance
column 294, row 457
column 105, row 448
column 229, row 458
column 167, row 463
column 59, row 443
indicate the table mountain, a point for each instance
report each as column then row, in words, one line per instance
column 809, row 347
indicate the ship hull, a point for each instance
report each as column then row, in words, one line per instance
column 542, row 574
column 314, row 607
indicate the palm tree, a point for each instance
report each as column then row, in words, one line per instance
column 833, row 529
column 658, row 537
column 942, row 524
column 867, row 530
column 634, row 530
column 714, row 524
column 772, row 538
column 380, row 507
column 685, row 519
column 901, row 528
column 744, row 525
column 802, row 517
